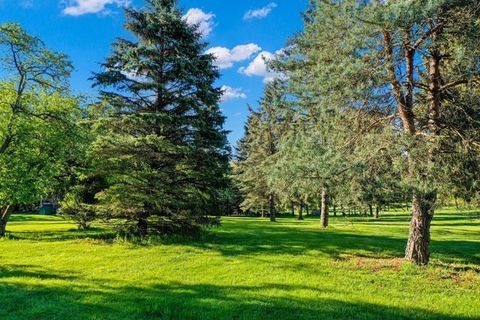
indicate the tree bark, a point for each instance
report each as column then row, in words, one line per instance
column 334, row 210
column 5, row 214
column 405, row 109
column 423, row 203
column 324, row 209
column 370, row 209
column 272, row 209
column 377, row 212
column 142, row 225
column 435, row 94
column 417, row 250
column 300, row 212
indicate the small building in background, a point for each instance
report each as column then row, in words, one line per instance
column 47, row 208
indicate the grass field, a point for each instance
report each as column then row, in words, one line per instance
column 248, row 268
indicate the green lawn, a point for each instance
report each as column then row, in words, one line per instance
column 247, row 269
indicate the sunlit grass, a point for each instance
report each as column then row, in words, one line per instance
column 247, row 269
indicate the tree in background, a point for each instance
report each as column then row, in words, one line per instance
column 260, row 143
column 38, row 123
column 79, row 182
column 162, row 147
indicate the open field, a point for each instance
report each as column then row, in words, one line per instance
column 247, row 269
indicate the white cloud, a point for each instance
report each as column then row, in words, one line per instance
column 81, row 7
column 225, row 58
column 260, row 13
column 258, row 67
column 230, row 93
column 204, row 21
column 26, row 4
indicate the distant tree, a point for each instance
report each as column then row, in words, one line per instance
column 37, row 127
column 162, row 147
column 260, row 143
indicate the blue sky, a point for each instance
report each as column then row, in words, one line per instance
column 239, row 33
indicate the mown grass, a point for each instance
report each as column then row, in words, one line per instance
column 247, row 269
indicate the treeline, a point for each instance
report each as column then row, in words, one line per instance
column 149, row 156
column 376, row 103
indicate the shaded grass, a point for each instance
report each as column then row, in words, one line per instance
column 246, row 269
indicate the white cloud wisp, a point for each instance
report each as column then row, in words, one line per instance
column 260, row 13
column 225, row 58
column 81, row 7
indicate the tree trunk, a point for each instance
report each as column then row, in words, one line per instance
column 343, row 211
column 272, row 209
column 307, row 209
column 293, row 209
column 5, row 214
column 377, row 212
column 324, row 209
column 142, row 226
column 370, row 208
column 334, row 210
column 300, row 213
column 417, row 250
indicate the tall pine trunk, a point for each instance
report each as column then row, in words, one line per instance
column 324, row 209
column 4, row 216
column 417, row 250
column 423, row 203
column 271, row 201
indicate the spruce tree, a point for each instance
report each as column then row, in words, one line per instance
column 163, row 146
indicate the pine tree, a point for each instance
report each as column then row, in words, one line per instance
column 404, row 60
column 260, row 143
column 163, row 147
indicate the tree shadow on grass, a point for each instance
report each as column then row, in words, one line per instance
column 30, row 271
column 249, row 236
column 251, row 239
column 64, row 235
column 191, row 301
column 35, row 217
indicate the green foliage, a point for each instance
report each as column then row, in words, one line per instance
column 43, row 138
column 262, row 134
column 341, row 63
column 38, row 123
column 162, row 148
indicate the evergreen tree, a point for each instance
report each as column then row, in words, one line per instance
column 404, row 60
column 263, row 131
column 163, row 147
